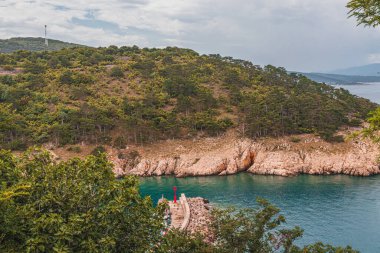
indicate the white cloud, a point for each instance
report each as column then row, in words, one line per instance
column 297, row 34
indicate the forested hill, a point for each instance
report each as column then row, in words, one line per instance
column 130, row 95
column 33, row 44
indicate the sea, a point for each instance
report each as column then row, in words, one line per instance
column 365, row 90
column 339, row 209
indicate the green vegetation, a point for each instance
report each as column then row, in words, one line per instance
column 373, row 128
column 79, row 206
column 33, row 44
column 366, row 12
column 74, row 206
column 115, row 96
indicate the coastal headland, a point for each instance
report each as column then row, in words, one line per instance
column 228, row 154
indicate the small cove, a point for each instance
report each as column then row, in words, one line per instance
column 336, row 209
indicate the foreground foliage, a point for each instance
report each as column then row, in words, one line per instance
column 366, row 12
column 131, row 95
column 79, row 206
column 75, row 206
column 249, row 230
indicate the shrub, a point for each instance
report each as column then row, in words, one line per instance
column 105, row 139
column 8, row 67
column 122, row 156
column 75, row 149
column 120, row 143
column 17, row 145
column 133, row 158
column 355, row 122
column 98, row 150
column 337, row 138
column 116, row 72
column 295, row 139
column 66, row 78
column 330, row 137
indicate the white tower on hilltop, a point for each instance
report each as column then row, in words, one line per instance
column 46, row 40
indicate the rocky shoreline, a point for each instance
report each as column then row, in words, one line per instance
column 228, row 155
column 200, row 218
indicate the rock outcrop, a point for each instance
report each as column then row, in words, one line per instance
column 200, row 218
column 360, row 159
column 229, row 155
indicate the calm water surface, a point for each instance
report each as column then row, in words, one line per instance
column 365, row 90
column 339, row 210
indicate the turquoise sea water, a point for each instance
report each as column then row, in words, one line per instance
column 339, row 210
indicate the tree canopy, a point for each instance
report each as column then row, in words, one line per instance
column 74, row 206
column 366, row 12
column 101, row 95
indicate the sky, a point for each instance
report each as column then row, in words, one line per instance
column 302, row 35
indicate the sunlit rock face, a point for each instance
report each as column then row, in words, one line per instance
column 229, row 154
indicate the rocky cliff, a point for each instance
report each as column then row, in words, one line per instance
column 305, row 154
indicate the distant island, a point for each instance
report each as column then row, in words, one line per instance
column 341, row 79
column 365, row 70
column 355, row 75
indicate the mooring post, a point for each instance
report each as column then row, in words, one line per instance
column 175, row 194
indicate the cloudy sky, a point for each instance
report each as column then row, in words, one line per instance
column 305, row 35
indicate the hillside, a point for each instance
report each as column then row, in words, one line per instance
column 341, row 79
column 365, row 70
column 127, row 95
column 33, row 44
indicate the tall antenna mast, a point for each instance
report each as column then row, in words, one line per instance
column 46, row 40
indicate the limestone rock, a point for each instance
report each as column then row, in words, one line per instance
column 230, row 155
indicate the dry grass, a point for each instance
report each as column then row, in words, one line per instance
column 176, row 147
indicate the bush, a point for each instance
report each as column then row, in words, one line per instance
column 122, row 156
column 34, row 68
column 98, row 151
column 17, row 145
column 8, row 67
column 295, row 139
column 330, row 137
column 120, row 143
column 337, row 138
column 66, row 78
column 7, row 79
column 105, row 139
column 133, row 158
column 355, row 122
column 134, row 154
column 116, row 72
column 75, row 149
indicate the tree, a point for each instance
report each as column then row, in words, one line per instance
column 73, row 206
column 261, row 230
column 176, row 241
column 373, row 128
column 253, row 230
column 366, row 12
